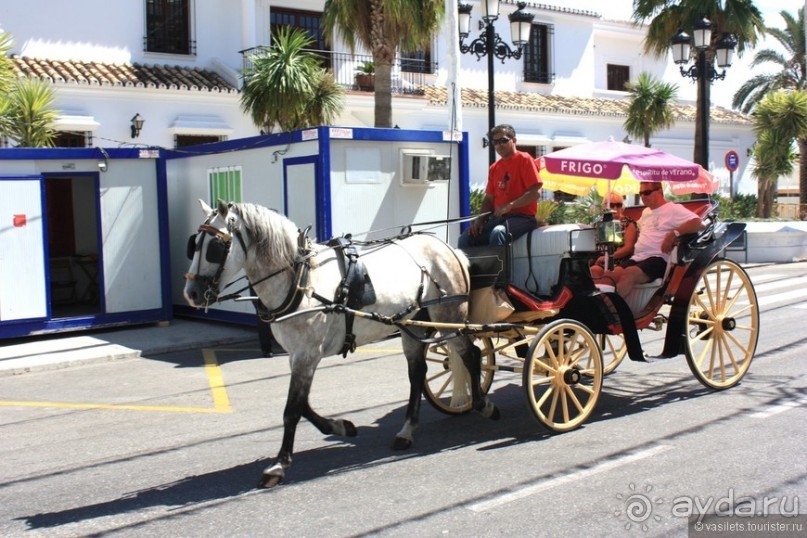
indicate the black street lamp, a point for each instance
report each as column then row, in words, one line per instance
column 703, row 70
column 491, row 45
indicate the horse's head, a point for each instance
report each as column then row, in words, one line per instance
column 215, row 257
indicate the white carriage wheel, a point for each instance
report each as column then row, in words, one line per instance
column 722, row 325
column 448, row 386
column 563, row 375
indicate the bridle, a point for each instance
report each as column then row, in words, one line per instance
column 217, row 251
column 219, row 248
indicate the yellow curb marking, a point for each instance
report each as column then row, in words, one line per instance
column 221, row 402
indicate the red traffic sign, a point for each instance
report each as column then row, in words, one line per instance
column 732, row 160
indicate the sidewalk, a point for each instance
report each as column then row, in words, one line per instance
column 54, row 351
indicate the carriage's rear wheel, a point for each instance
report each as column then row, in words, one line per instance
column 613, row 349
column 448, row 386
column 563, row 375
column 722, row 325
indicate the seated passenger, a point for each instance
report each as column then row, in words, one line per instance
column 511, row 195
column 629, row 234
column 660, row 225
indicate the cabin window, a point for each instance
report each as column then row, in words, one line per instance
column 225, row 184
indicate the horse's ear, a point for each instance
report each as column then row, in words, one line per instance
column 206, row 209
column 222, row 208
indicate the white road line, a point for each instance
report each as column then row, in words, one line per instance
column 526, row 491
column 792, row 295
column 770, row 410
column 788, row 283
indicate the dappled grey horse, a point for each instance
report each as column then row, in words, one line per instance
column 304, row 284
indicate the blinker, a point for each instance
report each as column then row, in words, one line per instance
column 216, row 248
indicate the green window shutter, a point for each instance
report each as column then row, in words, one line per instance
column 225, row 184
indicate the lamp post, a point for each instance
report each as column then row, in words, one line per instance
column 703, row 70
column 491, row 45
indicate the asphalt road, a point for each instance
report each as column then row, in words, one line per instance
column 173, row 445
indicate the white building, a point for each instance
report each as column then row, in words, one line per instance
column 176, row 63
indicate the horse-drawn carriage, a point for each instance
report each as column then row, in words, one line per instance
column 563, row 337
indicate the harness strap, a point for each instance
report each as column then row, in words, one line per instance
column 628, row 327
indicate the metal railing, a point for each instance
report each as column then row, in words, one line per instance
column 409, row 75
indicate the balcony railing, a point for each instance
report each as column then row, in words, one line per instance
column 409, row 75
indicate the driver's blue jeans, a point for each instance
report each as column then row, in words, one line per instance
column 498, row 231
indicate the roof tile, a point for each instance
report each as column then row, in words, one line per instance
column 581, row 106
column 127, row 75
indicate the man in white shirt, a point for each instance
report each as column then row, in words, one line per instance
column 660, row 225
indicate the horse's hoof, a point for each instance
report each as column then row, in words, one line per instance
column 401, row 443
column 495, row 415
column 269, row 481
column 350, row 429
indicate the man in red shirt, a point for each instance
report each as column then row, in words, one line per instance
column 511, row 195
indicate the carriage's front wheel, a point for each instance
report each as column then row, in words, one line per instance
column 563, row 375
column 722, row 325
column 448, row 384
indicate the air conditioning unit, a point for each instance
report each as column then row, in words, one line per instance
column 420, row 167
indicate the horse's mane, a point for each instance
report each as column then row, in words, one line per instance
column 274, row 235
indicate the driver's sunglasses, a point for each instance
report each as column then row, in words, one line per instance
column 502, row 140
column 648, row 192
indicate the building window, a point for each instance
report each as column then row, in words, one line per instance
column 225, row 184
column 168, row 27
column 537, row 54
column 618, row 76
column 72, row 139
column 419, row 61
column 181, row 141
column 310, row 21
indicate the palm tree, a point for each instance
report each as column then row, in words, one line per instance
column 779, row 119
column 31, row 114
column 286, row 87
column 381, row 27
column 741, row 18
column 650, row 107
column 792, row 74
column 6, row 80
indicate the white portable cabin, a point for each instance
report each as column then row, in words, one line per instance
column 369, row 183
column 84, row 232
column 83, row 239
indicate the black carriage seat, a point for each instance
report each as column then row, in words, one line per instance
column 639, row 299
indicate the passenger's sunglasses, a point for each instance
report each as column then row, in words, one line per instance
column 502, row 140
column 648, row 192
column 616, row 205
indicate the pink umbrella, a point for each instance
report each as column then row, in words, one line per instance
column 619, row 167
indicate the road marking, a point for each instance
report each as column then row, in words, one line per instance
column 526, row 491
column 790, row 295
column 770, row 410
column 221, row 402
column 216, row 381
column 790, row 283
